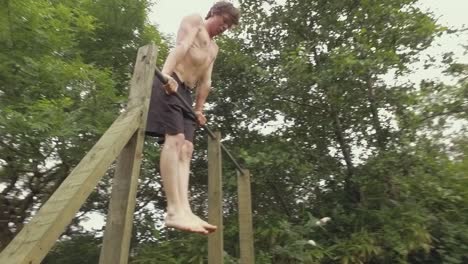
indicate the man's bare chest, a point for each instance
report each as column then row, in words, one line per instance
column 202, row 49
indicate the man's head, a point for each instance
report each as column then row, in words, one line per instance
column 222, row 15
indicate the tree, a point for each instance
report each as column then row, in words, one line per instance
column 79, row 249
column 64, row 71
column 346, row 146
column 299, row 98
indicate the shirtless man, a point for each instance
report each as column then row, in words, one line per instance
column 188, row 65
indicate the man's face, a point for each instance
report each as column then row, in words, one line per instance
column 221, row 23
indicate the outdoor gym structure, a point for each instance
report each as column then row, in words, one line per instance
column 123, row 142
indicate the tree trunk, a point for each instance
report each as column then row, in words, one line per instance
column 381, row 135
column 350, row 189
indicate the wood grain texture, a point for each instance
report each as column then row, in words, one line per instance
column 36, row 238
column 245, row 218
column 215, row 200
column 119, row 223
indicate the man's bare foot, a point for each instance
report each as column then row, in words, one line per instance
column 185, row 222
column 209, row 227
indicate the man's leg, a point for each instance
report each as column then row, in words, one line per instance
column 177, row 216
column 184, row 172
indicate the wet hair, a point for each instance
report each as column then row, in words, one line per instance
column 224, row 7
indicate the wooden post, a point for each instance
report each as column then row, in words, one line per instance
column 215, row 200
column 119, row 222
column 245, row 218
column 36, row 238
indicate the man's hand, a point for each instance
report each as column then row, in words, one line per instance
column 171, row 86
column 201, row 119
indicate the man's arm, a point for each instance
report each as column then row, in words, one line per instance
column 188, row 29
column 203, row 89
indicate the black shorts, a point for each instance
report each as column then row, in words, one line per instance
column 167, row 114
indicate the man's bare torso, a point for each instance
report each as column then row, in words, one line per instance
column 198, row 58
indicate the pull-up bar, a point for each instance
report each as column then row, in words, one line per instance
column 192, row 115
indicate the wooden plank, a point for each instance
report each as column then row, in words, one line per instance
column 34, row 241
column 119, row 222
column 245, row 218
column 215, row 200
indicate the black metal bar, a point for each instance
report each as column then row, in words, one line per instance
column 164, row 80
column 238, row 166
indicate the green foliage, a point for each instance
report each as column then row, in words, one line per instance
column 64, row 72
column 175, row 249
column 288, row 243
column 347, row 145
column 298, row 96
column 77, row 250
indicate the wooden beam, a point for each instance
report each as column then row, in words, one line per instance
column 118, row 232
column 245, row 218
column 215, row 200
column 36, row 238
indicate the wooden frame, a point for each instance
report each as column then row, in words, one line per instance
column 36, row 238
column 125, row 139
column 215, row 200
